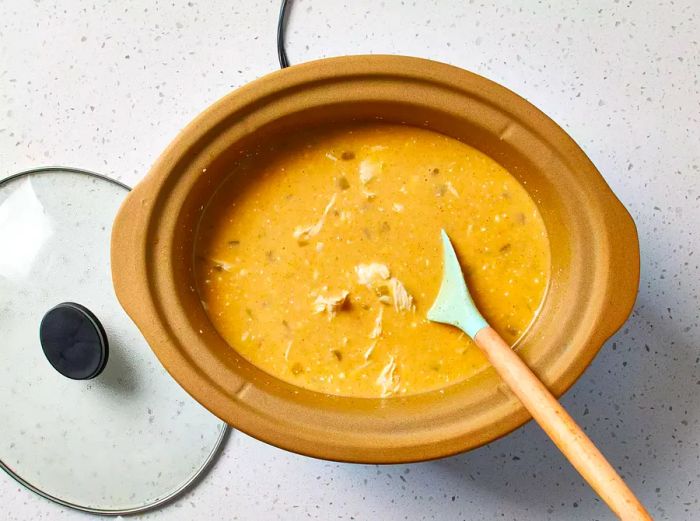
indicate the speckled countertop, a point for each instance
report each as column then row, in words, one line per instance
column 106, row 85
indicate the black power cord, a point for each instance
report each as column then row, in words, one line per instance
column 281, row 26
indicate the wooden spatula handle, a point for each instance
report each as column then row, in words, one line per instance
column 561, row 427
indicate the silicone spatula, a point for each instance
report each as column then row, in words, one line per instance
column 454, row 306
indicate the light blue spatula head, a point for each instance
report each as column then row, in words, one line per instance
column 454, row 305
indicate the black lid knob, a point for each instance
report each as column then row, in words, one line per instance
column 74, row 341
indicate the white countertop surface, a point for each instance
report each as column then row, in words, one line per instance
column 106, row 85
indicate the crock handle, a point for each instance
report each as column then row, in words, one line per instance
column 128, row 250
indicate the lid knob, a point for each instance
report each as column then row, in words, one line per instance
column 74, row 341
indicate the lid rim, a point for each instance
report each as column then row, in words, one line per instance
column 58, row 168
column 199, row 473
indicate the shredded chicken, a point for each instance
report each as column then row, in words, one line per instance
column 388, row 380
column 368, row 169
column 390, row 290
column 370, row 350
column 451, row 189
column 402, row 300
column 377, row 331
column 369, row 195
column 330, row 304
column 369, row 274
column 226, row 266
column 303, row 234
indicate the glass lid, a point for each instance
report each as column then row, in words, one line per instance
column 89, row 418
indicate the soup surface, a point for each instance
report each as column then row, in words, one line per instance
column 319, row 257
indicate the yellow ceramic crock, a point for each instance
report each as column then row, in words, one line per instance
column 595, row 256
